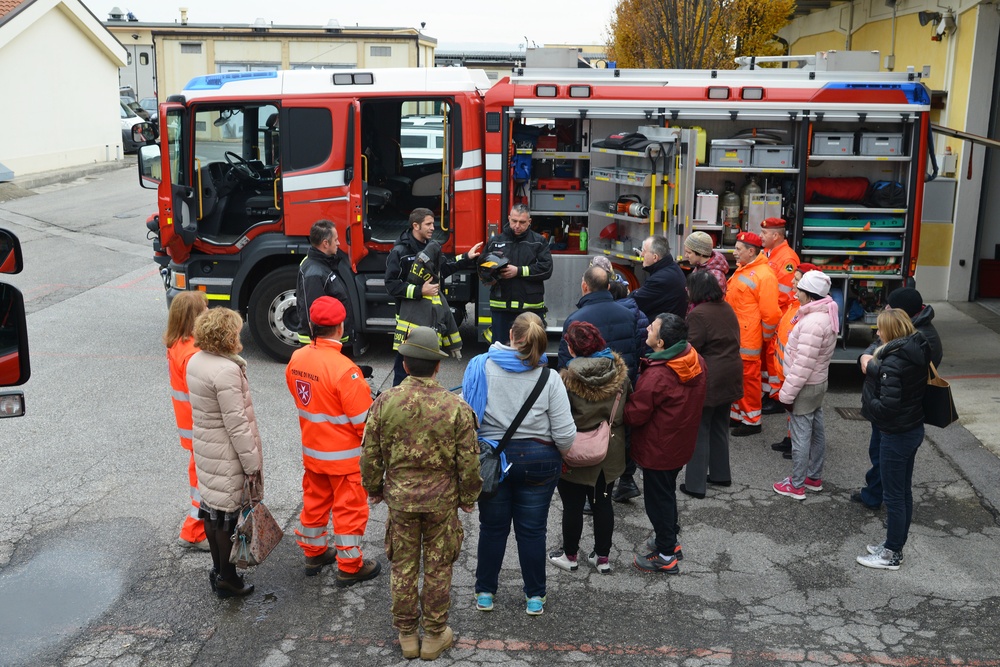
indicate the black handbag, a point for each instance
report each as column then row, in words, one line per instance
column 489, row 456
column 939, row 406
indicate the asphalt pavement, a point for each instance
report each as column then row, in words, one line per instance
column 93, row 490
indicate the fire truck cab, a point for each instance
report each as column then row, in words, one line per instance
column 247, row 162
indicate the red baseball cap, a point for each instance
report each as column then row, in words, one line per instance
column 327, row 312
column 805, row 267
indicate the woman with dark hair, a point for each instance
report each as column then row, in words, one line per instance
column 596, row 379
column 227, row 449
column 664, row 412
column 714, row 332
column 892, row 400
column 179, row 339
column 497, row 384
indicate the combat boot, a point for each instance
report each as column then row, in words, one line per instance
column 369, row 570
column 410, row 643
column 436, row 644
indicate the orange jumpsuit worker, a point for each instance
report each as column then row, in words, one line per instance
column 782, row 260
column 781, row 341
column 333, row 399
column 753, row 294
column 179, row 339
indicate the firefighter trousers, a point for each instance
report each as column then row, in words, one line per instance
column 441, row 534
column 747, row 409
column 344, row 498
column 193, row 530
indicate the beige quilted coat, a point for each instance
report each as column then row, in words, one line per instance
column 226, row 441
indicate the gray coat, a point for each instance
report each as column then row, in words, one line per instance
column 226, row 441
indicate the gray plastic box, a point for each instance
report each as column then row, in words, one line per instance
column 888, row 143
column 773, row 157
column 833, row 143
column 730, row 153
column 573, row 201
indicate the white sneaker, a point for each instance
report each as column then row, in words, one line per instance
column 563, row 562
column 886, row 559
column 876, row 549
column 602, row 564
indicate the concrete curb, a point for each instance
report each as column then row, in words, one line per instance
column 31, row 181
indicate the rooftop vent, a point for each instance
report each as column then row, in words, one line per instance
column 260, row 25
column 333, row 25
column 116, row 14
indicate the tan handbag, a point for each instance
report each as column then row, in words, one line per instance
column 257, row 532
column 591, row 447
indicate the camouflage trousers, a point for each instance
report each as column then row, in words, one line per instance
column 441, row 536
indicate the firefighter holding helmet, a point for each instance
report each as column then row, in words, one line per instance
column 753, row 294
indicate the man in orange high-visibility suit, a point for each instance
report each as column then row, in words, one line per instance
column 333, row 399
column 753, row 294
column 782, row 260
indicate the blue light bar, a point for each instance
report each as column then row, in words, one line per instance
column 216, row 81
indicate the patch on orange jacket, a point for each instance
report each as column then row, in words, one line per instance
column 686, row 364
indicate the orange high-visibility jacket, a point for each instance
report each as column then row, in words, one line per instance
column 753, row 294
column 178, row 356
column 333, row 399
column 781, row 337
column 783, row 261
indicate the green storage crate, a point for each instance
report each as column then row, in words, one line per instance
column 842, row 244
column 874, row 221
column 884, row 244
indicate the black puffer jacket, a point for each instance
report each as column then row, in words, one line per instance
column 922, row 322
column 893, row 395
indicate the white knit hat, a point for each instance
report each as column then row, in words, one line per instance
column 815, row 282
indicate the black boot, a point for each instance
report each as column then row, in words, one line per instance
column 234, row 587
column 625, row 490
column 784, row 446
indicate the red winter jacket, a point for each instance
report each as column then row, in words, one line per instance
column 664, row 411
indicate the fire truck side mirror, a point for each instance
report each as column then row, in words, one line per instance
column 150, row 172
column 144, row 133
column 14, row 367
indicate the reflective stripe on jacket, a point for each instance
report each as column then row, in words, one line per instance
column 783, row 261
column 753, row 294
column 781, row 338
column 178, row 356
column 332, row 399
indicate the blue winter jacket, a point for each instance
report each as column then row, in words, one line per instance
column 615, row 322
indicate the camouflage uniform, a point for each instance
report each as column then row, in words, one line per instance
column 420, row 454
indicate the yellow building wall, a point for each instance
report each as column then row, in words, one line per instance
column 808, row 46
column 248, row 51
column 322, row 53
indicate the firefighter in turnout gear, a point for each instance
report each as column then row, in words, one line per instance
column 408, row 283
column 521, row 287
column 753, row 294
column 332, row 399
column 783, row 261
column 421, row 456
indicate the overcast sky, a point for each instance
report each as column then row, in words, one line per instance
column 492, row 24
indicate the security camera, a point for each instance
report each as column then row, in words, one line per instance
column 941, row 28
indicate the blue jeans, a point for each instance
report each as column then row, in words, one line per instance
column 897, row 455
column 871, row 492
column 523, row 499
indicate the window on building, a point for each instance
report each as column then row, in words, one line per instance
column 143, row 58
column 380, row 51
column 191, row 47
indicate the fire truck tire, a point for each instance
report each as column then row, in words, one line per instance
column 272, row 315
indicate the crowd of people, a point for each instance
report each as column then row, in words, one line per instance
column 663, row 368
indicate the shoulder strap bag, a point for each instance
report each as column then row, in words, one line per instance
column 590, row 447
column 489, row 456
column 939, row 406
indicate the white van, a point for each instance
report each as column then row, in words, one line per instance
column 421, row 144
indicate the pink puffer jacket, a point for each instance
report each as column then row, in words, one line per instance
column 810, row 347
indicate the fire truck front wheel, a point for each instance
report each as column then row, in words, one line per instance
column 272, row 315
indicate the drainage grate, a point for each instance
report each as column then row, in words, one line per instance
column 851, row 413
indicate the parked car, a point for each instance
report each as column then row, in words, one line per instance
column 149, row 104
column 135, row 107
column 129, row 119
column 421, row 143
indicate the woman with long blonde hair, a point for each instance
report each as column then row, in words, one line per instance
column 892, row 399
column 179, row 339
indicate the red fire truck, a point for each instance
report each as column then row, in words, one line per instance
column 248, row 161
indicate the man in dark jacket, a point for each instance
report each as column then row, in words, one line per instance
column 397, row 270
column 521, row 287
column 664, row 290
column 323, row 273
column 615, row 322
column 910, row 300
